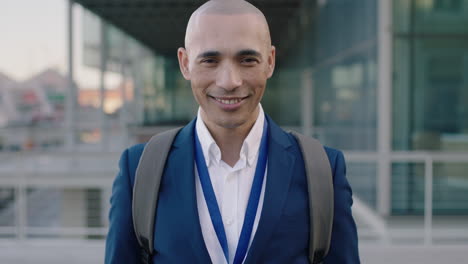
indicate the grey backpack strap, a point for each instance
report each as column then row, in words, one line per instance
column 146, row 188
column 320, row 188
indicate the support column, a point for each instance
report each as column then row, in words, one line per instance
column 102, row 88
column 307, row 114
column 70, row 103
column 73, row 208
column 428, row 199
column 384, row 94
column 123, row 93
column 138, row 90
column 21, row 218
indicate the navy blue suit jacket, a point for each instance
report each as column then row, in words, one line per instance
column 283, row 231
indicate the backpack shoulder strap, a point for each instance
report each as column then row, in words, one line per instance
column 320, row 188
column 146, row 188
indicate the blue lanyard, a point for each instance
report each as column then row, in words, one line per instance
column 252, row 204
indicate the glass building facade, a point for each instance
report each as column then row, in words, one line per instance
column 430, row 101
column 326, row 84
column 430, row 75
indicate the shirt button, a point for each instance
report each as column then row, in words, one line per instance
column 229, row 221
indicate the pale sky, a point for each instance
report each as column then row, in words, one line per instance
column 33, row 37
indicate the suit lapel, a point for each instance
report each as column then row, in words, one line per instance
column 184, row 178
column 280, row 164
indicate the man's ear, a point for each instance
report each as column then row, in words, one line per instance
column 182, row 56
column 271, row 61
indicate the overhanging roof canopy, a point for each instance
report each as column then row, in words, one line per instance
column 160, row 24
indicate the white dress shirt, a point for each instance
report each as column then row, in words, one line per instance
column 231, row 186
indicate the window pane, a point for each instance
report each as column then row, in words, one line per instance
column 78, row 209
column 407, row 188
column 451, row 188
column 345, row 74
column 430, row 93
column 7, row 209
column 362, row 178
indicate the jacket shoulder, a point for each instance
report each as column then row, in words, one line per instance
column 136, row 150
column 332, row 153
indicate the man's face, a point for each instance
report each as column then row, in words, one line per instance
column 228, row 61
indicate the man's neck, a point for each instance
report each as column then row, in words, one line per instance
column 230, row 140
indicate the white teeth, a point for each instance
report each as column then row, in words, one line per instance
column 231, row 101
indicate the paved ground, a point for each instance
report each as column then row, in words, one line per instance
column 404, row 254
column 51, row 252
column 79, row 252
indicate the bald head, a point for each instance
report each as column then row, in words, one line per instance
column 227, row 8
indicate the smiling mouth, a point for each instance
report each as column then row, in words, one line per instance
column 229, row 101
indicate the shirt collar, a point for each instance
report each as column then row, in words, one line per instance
column 249, row 149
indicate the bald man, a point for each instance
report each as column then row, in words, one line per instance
column 234, row 188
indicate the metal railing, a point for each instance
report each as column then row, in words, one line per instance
column 35, row 170
column 25, row 172
column 376, row 222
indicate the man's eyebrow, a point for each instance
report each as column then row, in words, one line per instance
column 249, row 52
column 209, row 54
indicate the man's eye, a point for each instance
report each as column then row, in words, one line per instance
column 208, row 61
column 249, row 61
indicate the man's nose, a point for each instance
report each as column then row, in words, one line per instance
column 228, row 77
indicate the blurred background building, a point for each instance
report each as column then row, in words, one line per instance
column 385, row 81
